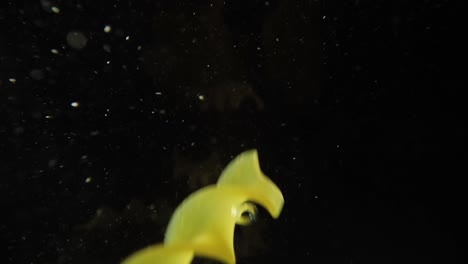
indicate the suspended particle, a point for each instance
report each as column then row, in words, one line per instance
column 107, row 47
column 107, row 29
column 52, row 163
column 36, row 74
column 77, row 40
column 55, row 9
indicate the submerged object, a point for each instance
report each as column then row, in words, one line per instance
column 203, row 224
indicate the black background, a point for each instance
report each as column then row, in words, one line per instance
column 356, row 108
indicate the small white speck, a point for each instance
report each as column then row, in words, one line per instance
column 324, row 17
column 12, row 80
column 157, row 93
column 54, row 51
column 259, row 48
column 49, row 117
column 55, row 9
column 107, row 29
column 207, row 65
column 107, row 62
column 277, row 39
column 75, row 104
column 127, row 37
column 316, row 197
column 88, row 180
column 201, row 97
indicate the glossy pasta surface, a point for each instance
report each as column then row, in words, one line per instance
column 203, row 224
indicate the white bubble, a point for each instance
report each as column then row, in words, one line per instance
column 75, row 104
column 107, row 29
column 12, row 80
column 55, row 9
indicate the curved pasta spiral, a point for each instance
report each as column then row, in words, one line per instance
column 203, row 224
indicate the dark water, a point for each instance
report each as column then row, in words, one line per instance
column 111, row 112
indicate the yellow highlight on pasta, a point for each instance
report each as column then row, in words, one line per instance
column 203, row 225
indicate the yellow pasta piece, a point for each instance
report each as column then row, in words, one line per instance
column 203, row 225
